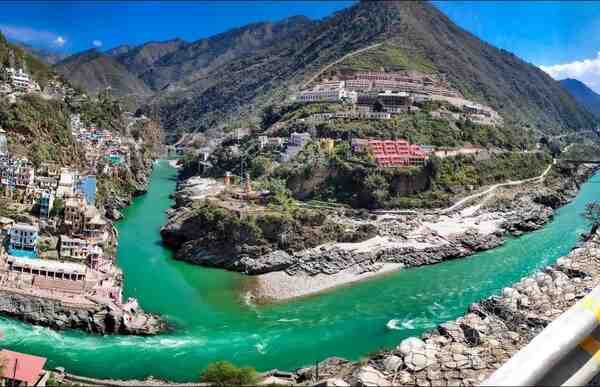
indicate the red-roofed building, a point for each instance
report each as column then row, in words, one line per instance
column 392, row 153
column 20, row 369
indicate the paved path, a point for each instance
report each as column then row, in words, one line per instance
column 494, row 187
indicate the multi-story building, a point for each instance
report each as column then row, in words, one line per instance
column 3, row 143
column 73, row 248
column 24, row 176
column 21, row 81
column 327, row 94
column 82, row 219
column 46, row 203
column 66, row 183
column 87, row 187
column 76, row 124
column 299, row 139
column 23, row 237
column 46, row 182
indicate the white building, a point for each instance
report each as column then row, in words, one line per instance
column 3, row 143
column 76, row 124
column 23, row 236
column 74, row 248
column 66, row 183
column 327, row 92
column 299, row 139
column 21, row 81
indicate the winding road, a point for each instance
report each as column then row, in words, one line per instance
column 311, row 80
column 495, row 186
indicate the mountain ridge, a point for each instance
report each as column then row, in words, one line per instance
column 583, row 94
column 224, row 80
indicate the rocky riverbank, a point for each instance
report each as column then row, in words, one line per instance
column 93, row 315
column 379, row 242
column 469, row 349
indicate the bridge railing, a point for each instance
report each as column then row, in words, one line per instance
column 565, row 353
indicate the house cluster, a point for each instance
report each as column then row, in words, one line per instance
column 72, row 264
column 291, row 145
column 101, row 147
column 392, row 153
column 379, row 95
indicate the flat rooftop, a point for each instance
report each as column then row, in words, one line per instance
column 47, row 264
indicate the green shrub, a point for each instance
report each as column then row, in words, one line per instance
column 223, row 373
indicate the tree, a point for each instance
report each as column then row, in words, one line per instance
column 259, row 166
column 223, row 373
column 57, row 208
column 269, row 116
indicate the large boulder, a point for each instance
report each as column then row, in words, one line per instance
column 332, row 382
column 392, row 363
column 368, row 376
column 409, row 345
column 452, row 330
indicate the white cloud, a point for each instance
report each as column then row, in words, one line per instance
column 60, row 41
column 586, row 71
column 97, row 43
column 32, row 36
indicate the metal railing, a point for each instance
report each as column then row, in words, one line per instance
column 565, row 353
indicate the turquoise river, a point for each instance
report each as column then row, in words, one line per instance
column 211, row 321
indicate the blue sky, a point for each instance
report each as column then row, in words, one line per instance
column 561, row 36
column 111, row 23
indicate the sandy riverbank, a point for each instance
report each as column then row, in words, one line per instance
column 279, row 286
column 424, row 236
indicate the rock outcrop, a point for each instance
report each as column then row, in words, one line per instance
column 90, row 316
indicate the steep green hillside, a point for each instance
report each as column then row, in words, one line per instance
column 583, row 94
column 95, row 71
column 38, row 129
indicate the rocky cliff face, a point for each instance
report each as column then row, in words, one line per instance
column 93, row 317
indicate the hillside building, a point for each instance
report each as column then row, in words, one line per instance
column 3, row 143
column 46, row 203
column 23, row 237
column 299, row 139
column 73, row 249
column 391, row 153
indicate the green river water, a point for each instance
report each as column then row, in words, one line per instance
column 212, row 322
